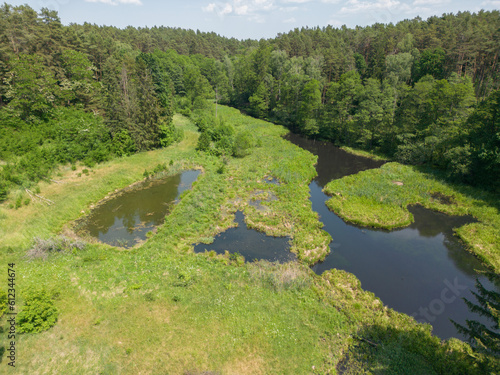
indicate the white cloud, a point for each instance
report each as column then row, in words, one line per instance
column 289, row 9
column 290, row 20
column 335, row 22
column 116, row 2
column 295, row 1
column 378, row 11
column 241, row 10
column 227, row 9
column 430, row 2
column 253, row 9
column 353, row 6
column 495, row 3
column 209, row 8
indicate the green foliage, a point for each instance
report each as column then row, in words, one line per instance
column 123, row 144
column 484, row 339
column 38, row 313
column 3, row 302
column 431, row 62
column 32, row 153
column 216, row 138
column 484, row 140
column 169, row 134
column 242, row 144
column 204, row 142
column 4, row 190
column 31, row 88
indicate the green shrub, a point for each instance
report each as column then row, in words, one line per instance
column 19, row 202
column 3, row 302
column 38, row 313
column 204, row 142
column 242, row 143
column 4, row 191
column 123, row 144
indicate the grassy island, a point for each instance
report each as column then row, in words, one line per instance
column 161, row 308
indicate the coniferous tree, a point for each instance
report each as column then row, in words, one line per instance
column 483, row 338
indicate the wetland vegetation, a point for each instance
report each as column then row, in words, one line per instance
column 89, row 113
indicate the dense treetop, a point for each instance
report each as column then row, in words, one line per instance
column 420, row 91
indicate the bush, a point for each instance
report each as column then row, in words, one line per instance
column 242, row 143
column 3, row 302
column 38, row 313
column 42, row 248
column 123, row 144
column 4, row 191
column 204, row 142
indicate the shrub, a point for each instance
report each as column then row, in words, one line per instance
column 123, row 144
column 19, row 202
column 3, row 302
column 38, row 313
column 4, row 191
column 43, row 247
column 204, row 142
column 242, row 143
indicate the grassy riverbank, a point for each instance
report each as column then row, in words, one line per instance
column 380, row 197
column 160, row 308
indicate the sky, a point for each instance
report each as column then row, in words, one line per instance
column 251, row 19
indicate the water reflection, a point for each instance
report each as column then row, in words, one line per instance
column 253, row 245
column 332, row 162
column 422, row 270
column 126, row 219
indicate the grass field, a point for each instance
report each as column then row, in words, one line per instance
column 159, row 308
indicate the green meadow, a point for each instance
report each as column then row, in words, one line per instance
column 160, row 308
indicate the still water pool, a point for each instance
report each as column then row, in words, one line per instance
column 125, row 219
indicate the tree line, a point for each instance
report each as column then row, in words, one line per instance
column 421, row 91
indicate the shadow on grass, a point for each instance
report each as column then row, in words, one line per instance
column 482, row 193
column 387, row 350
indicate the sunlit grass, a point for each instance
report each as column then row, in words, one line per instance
column 160, row 308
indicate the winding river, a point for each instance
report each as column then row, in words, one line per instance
column 422, row 270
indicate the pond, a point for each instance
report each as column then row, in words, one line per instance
column 422, row 270
column 253, row 245
column 125, row 219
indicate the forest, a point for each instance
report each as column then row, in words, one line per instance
column 89, row 113
column 422, row 92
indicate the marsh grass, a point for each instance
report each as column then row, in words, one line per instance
column 160, row 308
column 42, row 248
column 380, row 198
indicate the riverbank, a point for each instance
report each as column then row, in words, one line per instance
column 162, row 308
column 379, row 198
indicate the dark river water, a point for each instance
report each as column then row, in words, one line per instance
column 422, row 270
column 126, row 219
column 253, row 245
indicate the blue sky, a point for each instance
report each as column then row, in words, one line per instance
column 251, row 18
